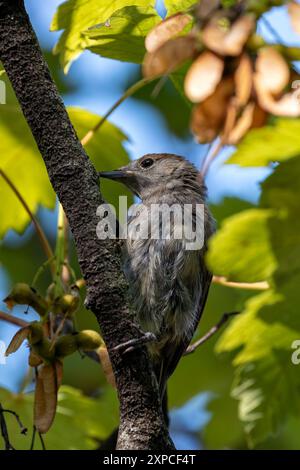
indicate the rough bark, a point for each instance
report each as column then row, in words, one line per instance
column 75, row 182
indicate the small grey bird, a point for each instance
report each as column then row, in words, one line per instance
column 168, row 281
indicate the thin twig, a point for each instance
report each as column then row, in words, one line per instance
column 33, row 438
column 129, row 92
column 192, row 347
column 41, row 234
column 4, row 431
column 228, row 126
column 264, row 285
column 42, row 441
column 3, row 426
column 22, row 427
column 210, row 157
column 14, row 320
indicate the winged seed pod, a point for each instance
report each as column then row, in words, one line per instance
column 270, row 80
column 34, row 360
column 243, row 78
column 168, row 57
column 23, row 294
column 228, row 39
column 294, row 12
column 106, row 365
column 167, row 29
column 17, row 340
column 45, row 399
column 88, row 339
column 252, row 117
column 208, row 117
column 203, row 76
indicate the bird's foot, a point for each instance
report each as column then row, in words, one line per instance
column 133, row 344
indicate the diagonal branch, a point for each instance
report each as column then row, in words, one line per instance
column 75, row 182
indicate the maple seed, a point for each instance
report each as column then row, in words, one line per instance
column 243, row 79
column 272, row 71
column 228, row 41
column 203, row 77
column 169, row 56
column 166, row 30
column 294, row 12
column 23, row 294
column 88, row 340
column 45, row 399
column 106, row 365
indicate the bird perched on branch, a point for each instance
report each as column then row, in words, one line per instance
column 164, row 253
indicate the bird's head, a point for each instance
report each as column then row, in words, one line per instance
column 158, row 173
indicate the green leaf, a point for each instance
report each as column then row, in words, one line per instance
column 75, row 17
column 272, row 143
column 105, row 149
column 123, row 37
column 250, row 337
column 267, row 391
column 261, row 338
column 174, row 6
column 245, row 233
column 79, row 424
column 22, row 163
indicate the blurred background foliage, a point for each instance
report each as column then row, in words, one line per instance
column 240, row 389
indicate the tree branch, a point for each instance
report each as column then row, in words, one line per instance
column 75, row 182
column 214, row 329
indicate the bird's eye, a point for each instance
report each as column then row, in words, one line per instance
column 147, row 163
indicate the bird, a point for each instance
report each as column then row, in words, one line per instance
column 167, row 276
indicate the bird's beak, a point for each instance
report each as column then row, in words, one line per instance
column 123, row 175
column 114, row 175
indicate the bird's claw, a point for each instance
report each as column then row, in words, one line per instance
column 133, row 344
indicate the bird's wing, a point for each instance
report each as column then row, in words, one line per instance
column 172, row 352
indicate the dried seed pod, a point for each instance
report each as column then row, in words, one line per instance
column 287, row 106
column 59, row 372
column 167, row 29
column 169, row 56
column 260, row 117
column 228, row 40
column 23, row 294
column 272, row 71
column 208, row 118
column 242, row 125
column 106, row 365
column 17, row 340
column 205, row 8
column 45, row 399
column 203, row 77
column 34, row 360
column 88, row 339
column 294, row 12
column 243, row 79
column 65, row 345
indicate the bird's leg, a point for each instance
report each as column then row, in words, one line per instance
column 135, row 343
